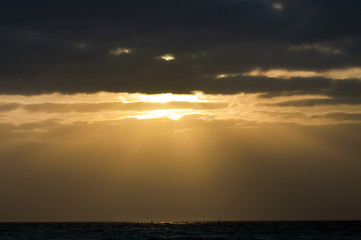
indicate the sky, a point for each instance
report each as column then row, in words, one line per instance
column 167, row 110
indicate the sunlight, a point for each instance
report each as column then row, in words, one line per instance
column 164, row 98
column 174, row 114
column 167, row 57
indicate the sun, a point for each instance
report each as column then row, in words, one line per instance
column 174, row 114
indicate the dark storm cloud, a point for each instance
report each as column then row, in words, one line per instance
column 64, row 46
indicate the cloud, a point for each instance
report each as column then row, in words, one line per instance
column 109, row 106
column 227, row 75
column 349, row 73
column 5, row 107
column 281, row 73
column 316, row 47
column 119, row 51
column 278, row 117
column 338, row 92
column 82, row 45
column 316, row 102
column 278, row 6
column 339, row 116
column 38, row 54
column 167, row 57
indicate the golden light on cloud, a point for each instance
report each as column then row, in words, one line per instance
column 338, row 74
column 164, row 98
column 174, row 114
column 248, row 109
column 167, row 57
column 278, row 6
column 347, row 73
column 227, row 75
column 82, row 45
column 281, row 73
column 119, row 51
column 316, row 47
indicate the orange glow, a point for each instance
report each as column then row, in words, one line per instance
column 174, row 114
column 166, row 97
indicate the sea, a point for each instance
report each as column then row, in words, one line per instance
column 322, row 230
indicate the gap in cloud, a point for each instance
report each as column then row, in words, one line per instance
column 120, row 51
column 167, row 57
column 277, row 6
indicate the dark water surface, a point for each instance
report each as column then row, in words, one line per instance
column 183, row 230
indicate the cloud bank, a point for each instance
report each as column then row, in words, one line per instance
column 40, row 45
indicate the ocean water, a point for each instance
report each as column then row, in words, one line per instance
column 184, row 230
